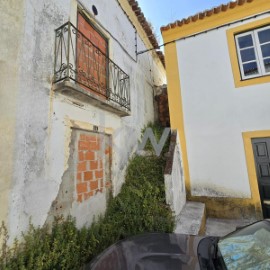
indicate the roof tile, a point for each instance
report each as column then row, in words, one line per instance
column 145, row 25
column 206, row 13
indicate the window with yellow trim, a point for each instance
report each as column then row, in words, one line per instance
column 253, row 49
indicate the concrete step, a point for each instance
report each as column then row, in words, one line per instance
column 221, row 227
column 191, row 220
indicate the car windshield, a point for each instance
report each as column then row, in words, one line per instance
column 248, row 248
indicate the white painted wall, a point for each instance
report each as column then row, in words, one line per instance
column 175, row 183
column 42, row 130
column 216, row 113
column 31, row 184
column 11, row 13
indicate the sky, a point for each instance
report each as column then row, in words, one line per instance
column 163, row 12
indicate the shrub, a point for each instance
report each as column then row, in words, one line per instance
column 157, row 131
column 140, row 207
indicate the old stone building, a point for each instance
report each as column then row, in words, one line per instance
column 75, row 95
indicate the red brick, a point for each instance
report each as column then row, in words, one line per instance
column 91, row 138
column 96, row 38
column 100, row 164
column 79, row 176
column 81, row 156
column 93, row 165
column 83, row 145
column 94, row 146
column 88, row 195
column 88, row 176
column 79, row 198
column 82, row 137
column 93, row 185
column 81, row 167
column 89, row 155
column 82, row 188
column 108, row 150
column 99, row 174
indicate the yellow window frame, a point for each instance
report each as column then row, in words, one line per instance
column 238, row 81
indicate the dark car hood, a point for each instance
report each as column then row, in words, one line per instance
column 153, row 251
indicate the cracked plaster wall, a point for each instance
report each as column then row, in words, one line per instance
column 30, row 184
column 43, row 120
column 11, row 13
column 174, row 177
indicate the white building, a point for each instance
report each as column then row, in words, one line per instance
column 74, row 97
column 219, row 98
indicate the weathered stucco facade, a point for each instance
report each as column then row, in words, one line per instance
column 42, row 125
column 12, row 14
column 216, row 112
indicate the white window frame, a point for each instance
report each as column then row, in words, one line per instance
column 258, row 53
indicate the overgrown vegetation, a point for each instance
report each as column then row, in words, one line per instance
column 157, row 131
column 140, row 207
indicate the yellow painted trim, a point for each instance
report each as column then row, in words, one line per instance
column 175, row 105
column 237, row 13
column 233, row 53
column 220, row 207
column 76, row 124
column 173, row 77
column 216, row 207
column 224, row 207
column 132, row 16
column 87, row 126
column 251, row 166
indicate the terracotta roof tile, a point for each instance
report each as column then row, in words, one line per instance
column 206, row 13
column 146, row 27
column 194, row 18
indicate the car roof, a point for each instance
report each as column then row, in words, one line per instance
column 149, row 251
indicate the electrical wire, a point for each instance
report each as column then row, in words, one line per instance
column 203, row 32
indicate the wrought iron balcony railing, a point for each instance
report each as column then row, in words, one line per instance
column 78, row 59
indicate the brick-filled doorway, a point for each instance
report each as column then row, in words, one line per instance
column 92, row 62
column 93, row 164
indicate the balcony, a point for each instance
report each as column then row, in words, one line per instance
column 83, row 71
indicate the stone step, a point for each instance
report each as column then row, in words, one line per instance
column 192, row 219
column 221, row 227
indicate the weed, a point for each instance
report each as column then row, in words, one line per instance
column 140, row 207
